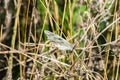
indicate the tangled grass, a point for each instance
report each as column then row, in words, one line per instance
column 93, row 26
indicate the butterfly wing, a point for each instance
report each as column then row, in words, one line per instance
column 58, row 41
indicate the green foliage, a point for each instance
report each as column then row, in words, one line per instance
column 102, row 26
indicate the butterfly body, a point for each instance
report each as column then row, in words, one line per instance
column 58, row 41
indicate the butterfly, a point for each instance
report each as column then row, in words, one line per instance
column 58, row 41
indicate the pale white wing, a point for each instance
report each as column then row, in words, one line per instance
column 58, row 41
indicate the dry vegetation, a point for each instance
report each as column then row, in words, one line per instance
column 93, row 26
